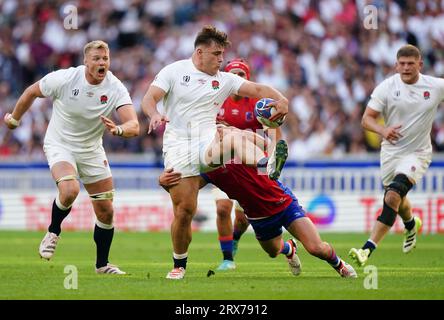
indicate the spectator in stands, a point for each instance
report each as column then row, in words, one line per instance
column 288, row 42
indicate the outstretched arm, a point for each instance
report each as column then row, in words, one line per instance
column 25, row 101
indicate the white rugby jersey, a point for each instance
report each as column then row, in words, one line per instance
column 193, row 99
column 411, row 105
column 78, row 105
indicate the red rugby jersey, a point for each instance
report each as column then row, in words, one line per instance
column 259, row 196
column 239, row 114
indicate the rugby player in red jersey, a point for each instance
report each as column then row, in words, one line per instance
column 237, row 112
column 269, row 206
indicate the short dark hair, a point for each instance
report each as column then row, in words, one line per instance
column 209, row 34
column 408, row 51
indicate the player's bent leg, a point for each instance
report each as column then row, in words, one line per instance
column 276, row 246
column 240, row 226
column 225, row 232
column 304, row 229
column 65, row 177
column 101, row 194
column 412, row 225
column 392, row 201
column 184, row 199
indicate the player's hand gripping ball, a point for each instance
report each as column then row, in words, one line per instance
column 263, row 113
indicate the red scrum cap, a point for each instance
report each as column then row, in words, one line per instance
column 238, row 65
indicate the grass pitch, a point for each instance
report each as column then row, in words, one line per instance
column 147, row 257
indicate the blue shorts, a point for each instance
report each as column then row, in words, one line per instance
column 271, row 227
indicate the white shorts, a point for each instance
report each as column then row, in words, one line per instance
column 413, row 166
column 220, row 195
column 91, row 167
column 188, row 156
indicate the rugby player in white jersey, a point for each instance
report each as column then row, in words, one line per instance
column 83, row 100
column 408, row 102
column 193, row 90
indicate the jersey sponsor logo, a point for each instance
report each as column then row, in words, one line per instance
column 426, row 95
column 201, row 81
column 90, row 94
column 103, row 99
column 234, row 112
column 215, row 84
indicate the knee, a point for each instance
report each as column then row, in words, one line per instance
column 68, row 191
column 104, row 210
column 223, row 211
column 184, row 212
column 273, row 253
column 392, row 198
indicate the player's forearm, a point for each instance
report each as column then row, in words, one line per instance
column 371, row 124
column 264, row 91
column 130, row 129
column 149, row 106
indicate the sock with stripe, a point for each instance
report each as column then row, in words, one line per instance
column 226, row 245
column 286, row 248
column 409, row 224
column 332, row 258
column 180, row 260
column 369, row 245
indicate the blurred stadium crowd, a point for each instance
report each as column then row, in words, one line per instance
column 319, row 53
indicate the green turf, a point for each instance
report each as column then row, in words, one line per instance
column 147, row 256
